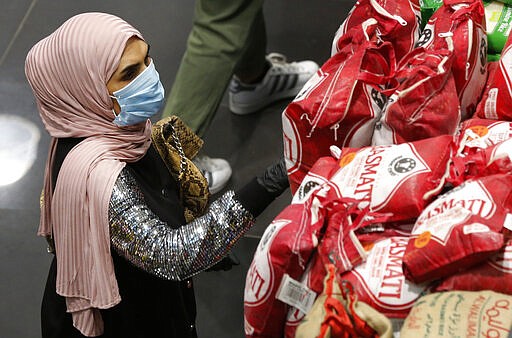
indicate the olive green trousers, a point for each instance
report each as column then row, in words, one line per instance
column 228, row 37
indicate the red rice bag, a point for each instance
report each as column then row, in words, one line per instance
column 464, row 22
column 340, row 104
column 285, row 248
column 497, row 158
column 474, row 138
column 396, row 179
column 459, row 229
column 481, row 161
column 494, row 274
column 477, row 134
column 425, row 104
column 340, row 246
column 380, row 282
column 398, row 23
column 497, row 98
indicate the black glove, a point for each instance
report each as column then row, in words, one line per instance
column 275, row 178
column 256, row 195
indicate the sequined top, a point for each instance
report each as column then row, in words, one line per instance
column 138, row 235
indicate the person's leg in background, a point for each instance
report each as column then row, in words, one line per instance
column 229, row 37
column 259, row 79
column 221, row 32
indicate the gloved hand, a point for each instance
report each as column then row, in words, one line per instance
column 275, row 178
column 256, row 195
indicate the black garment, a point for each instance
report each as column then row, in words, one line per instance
column 150, row 306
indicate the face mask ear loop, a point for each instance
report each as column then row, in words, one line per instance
column 113, row 111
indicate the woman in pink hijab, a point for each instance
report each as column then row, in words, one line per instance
column 113, row 212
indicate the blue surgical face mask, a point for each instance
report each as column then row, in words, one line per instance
column 141, row 98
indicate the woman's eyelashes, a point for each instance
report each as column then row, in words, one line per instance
column 130, row 72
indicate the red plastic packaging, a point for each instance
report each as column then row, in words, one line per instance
column 460, row 25
column 398, row 23
column 340, row 104
column 425, row 104
column 459, row 229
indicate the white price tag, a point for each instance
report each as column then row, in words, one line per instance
column 296, row 294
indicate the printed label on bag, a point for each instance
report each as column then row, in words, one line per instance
column 292, row 145
column 295, row 294
column 442, row 215
column 374, row 175
column 475, row 228
column 490, row 104
column 483, row 137
column 381, row 277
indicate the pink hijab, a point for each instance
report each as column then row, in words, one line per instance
column 68, row 72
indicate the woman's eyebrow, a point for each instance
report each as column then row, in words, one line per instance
column 133, row 67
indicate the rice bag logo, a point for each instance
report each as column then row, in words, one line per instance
column 376, row 173
column 306, row 188
column 419, row 20
column 292, row 145
column 483, row 56
column 401, row 165
column 425, row 37
column 260, row 277
column 347, row 159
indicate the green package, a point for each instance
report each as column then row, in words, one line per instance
column 498, row 17
column 493, row 57
column 508, row 2
column 427, row 8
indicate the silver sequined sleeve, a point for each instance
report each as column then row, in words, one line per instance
column 138, row 235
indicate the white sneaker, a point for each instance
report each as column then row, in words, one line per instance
column 283, row 80
column 216, row 170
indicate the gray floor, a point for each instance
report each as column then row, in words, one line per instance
column 300, row 29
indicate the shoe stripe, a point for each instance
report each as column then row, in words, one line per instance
column 274, row 85
column 293, row 83
column 283, row 83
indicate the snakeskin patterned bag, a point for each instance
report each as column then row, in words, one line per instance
column 177, row 144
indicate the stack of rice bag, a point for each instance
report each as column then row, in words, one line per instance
column 399, row 155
